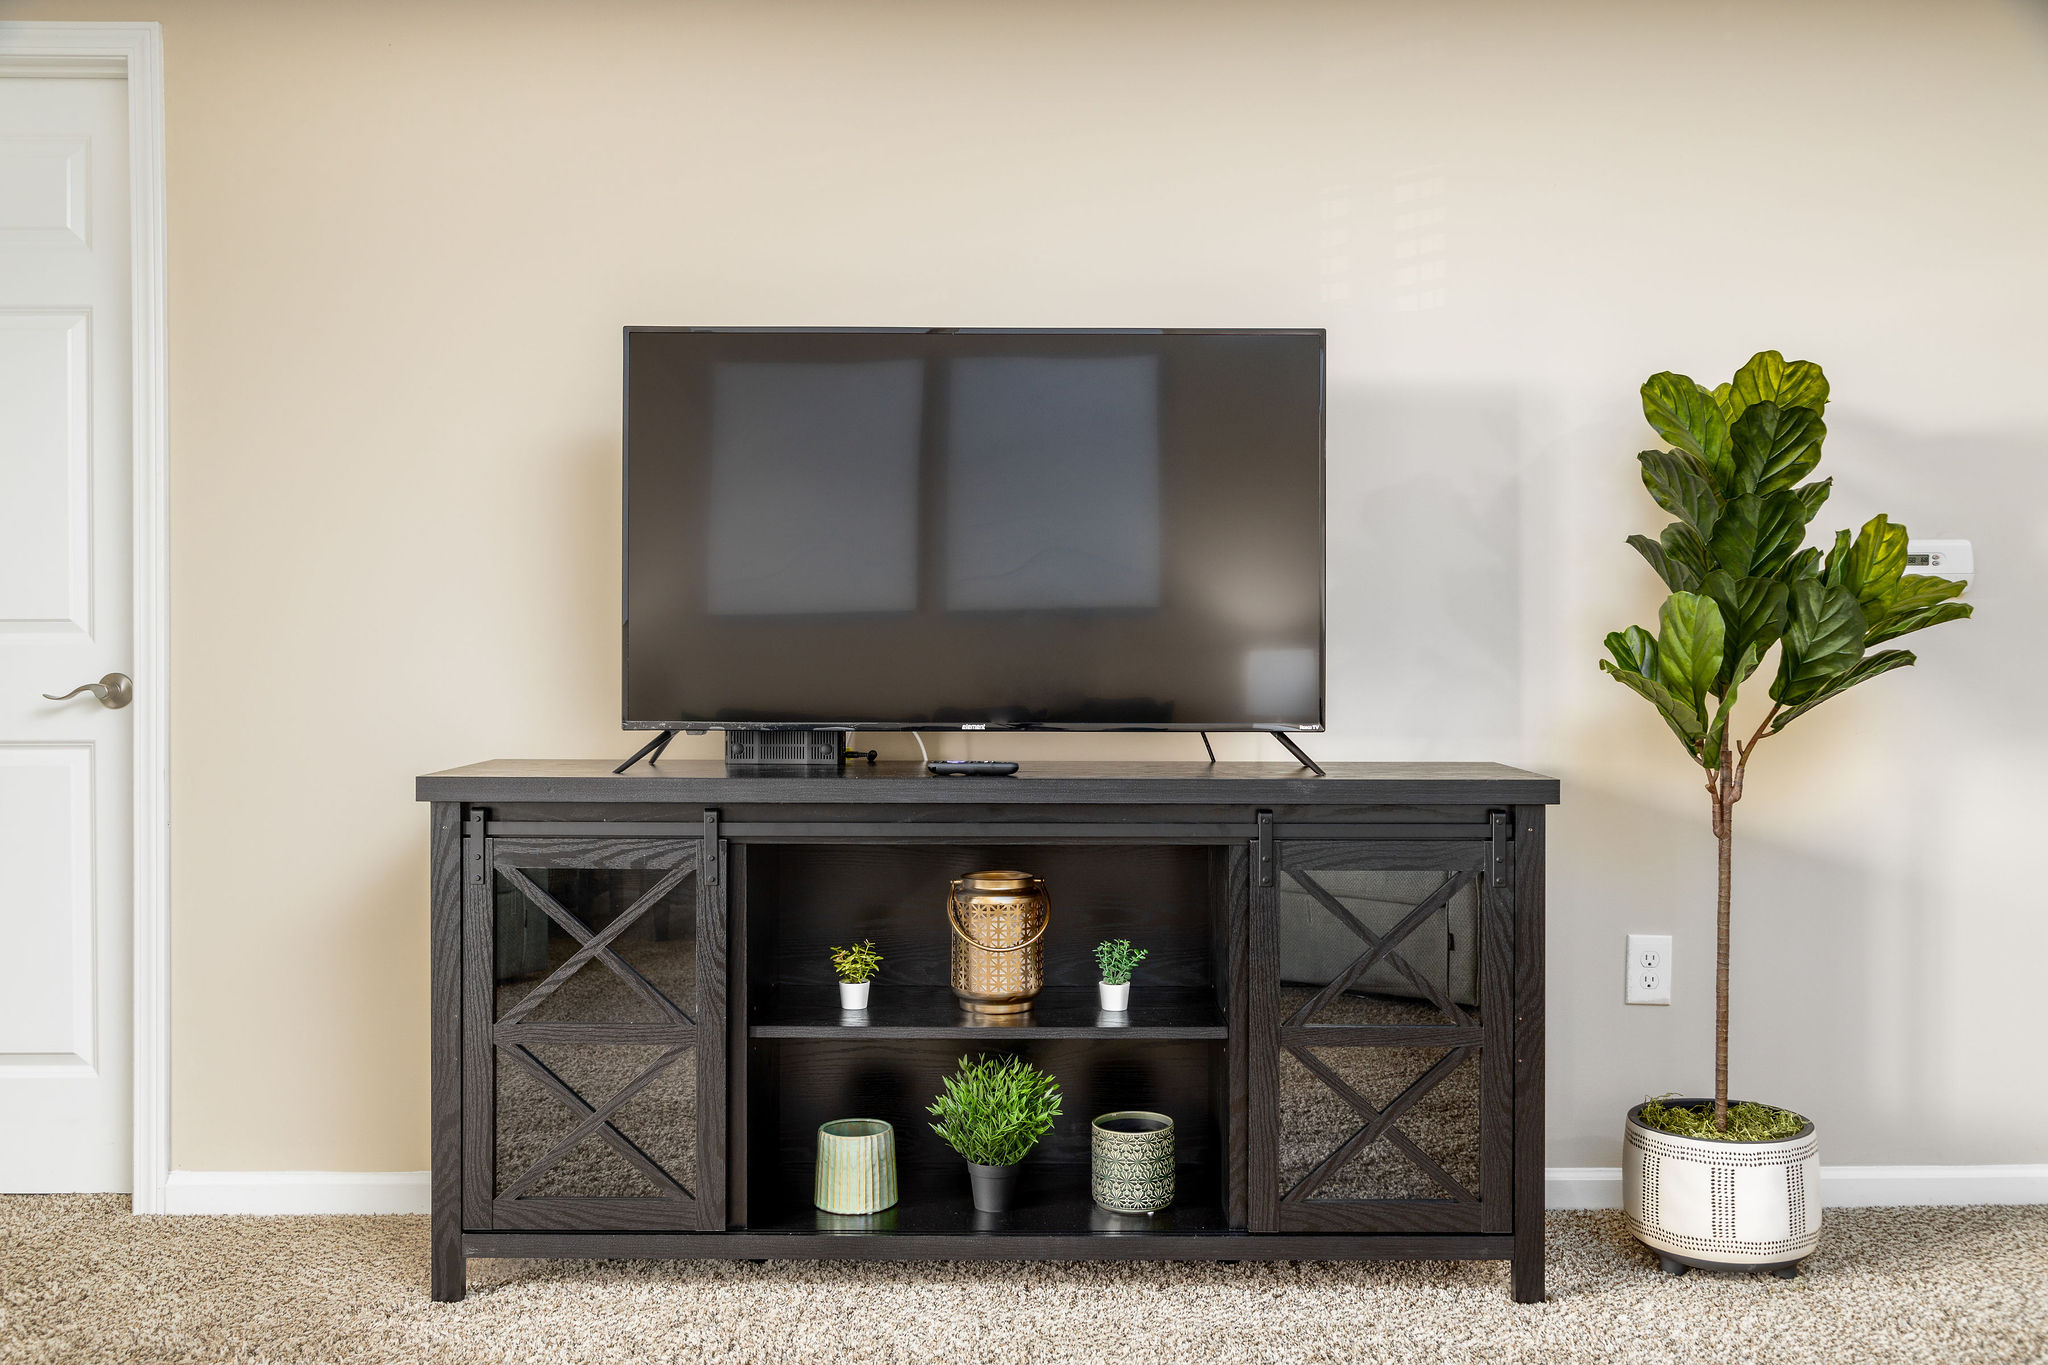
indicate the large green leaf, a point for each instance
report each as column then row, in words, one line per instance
column 1681, row 487
column 1838, row 554
column 1874, row 561
column 1753, row 611
column 1805, row 564
column 1683, row 547
column 1757, row 535
column 1684, row 722
column 1634, row 649
column 1686, row 415
column 1677, row 577
column 1921, row 590
column 1774, row 447
column 1911, row 605
column 1920, row 618
column 1823, row 639
column 1781, row 530
column 1812, row 495
column 1690, row 637
column 1734, row 543
column 1769, row 378
column 1866, row 668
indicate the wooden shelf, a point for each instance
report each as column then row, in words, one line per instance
column 1051, row 1200
column 932, row 1012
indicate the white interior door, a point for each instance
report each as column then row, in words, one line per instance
column 66, row 772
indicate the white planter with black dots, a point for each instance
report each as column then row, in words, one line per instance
column 1714, row 1205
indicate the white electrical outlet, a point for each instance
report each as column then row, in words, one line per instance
column 1649, row 969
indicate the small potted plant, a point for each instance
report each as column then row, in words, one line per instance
column 1118, row 959
column 993, row 1111
column 1710, row 1181
column 855, row 967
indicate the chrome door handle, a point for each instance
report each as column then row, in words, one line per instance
column 115, row 691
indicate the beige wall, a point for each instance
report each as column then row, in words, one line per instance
column 404, row 238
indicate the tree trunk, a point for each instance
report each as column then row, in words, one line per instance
column 1724, row 831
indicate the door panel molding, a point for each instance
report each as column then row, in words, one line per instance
column 63, row 978
column 63, row 603
column 133, row 52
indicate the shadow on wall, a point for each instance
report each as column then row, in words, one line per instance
column 1985, row 487
column 1624, row 865
column 1955, row 741
column 1425, row 507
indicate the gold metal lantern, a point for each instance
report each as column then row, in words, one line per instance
column 999, row 921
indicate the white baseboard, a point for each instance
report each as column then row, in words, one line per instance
column 1582, row 1187
column 1564, row 1187
column 296, row 1192
column 1841, row 1187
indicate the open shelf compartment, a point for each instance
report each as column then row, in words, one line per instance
column 807, row 1062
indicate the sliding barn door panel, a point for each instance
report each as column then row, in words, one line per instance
column 1380, row 1037
column 594, row 1024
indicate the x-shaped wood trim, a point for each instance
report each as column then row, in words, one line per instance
column 1379, row 1123
column 596, row 945
column 594, row 1120
column 1377, row 947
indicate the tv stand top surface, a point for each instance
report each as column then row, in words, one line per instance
column 710, row 782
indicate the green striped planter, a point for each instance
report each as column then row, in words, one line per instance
column 856, row 1166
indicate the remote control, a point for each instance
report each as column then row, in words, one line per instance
column 970, row 767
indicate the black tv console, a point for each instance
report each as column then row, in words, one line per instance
column 636, row 1033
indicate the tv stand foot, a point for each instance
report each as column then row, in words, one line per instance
column 449, row 1270
column 1295, row 749
column 650, row 751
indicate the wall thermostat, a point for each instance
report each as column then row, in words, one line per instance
column 1942, row 558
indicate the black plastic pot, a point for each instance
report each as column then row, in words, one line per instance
column 994, row 1186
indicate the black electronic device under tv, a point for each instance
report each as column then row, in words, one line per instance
column 834, row 529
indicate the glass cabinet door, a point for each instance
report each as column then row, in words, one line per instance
column 1380, row 1037
column 593, row 1027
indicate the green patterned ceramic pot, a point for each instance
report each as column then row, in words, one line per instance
column 1133, row 1161
column 856, row 1166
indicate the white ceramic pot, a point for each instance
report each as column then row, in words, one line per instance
column 853, row 996
column 1115, row 999
column 1721, row 1205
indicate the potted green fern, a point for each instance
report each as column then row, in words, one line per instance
column 993, row 1111
column 1117, row 959
column 1707, row 1182
column 855, row 967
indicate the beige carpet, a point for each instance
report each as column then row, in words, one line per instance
column 81, row 1280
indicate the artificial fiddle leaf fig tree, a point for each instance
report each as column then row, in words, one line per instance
column 1743, row 581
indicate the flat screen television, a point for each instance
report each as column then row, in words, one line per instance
column 953, row 528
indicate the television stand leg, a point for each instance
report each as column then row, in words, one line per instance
column 1207, row 745
column 649, row 751
column 1295, row 749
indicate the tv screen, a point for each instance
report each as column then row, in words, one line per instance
column 893, row 529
